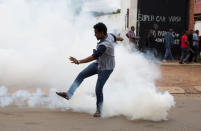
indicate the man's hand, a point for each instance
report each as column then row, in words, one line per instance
column 73, row 60
column 119, row 38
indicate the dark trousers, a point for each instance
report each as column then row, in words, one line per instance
column 103, row 76
column 168, row 53
column 185, row 54
column 191, row 55
column 195, row 49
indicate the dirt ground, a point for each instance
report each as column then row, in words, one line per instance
column 186, row 116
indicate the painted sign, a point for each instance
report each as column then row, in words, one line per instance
column 160, row 16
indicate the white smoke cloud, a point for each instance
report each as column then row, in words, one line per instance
column 102, row 5
column 36, row 39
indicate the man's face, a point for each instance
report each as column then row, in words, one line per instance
column 132, row 28
column 171, row 30
column 99, row 35
column 150, row 31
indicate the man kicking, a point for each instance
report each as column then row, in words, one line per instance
column 103, row 66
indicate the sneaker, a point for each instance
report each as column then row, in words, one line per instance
column 63, row 94
column 97, row 114
column 180, row 62
column 186, row 62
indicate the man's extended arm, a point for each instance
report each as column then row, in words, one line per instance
column 96, row 54
column 86, row 60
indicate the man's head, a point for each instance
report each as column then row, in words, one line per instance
column 197, row 32
column 151, row 31
column 170, row 30
column 100, row 31
column 132, row 28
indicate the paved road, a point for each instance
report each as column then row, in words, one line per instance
column 186, row 116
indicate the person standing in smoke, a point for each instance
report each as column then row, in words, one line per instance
column 150, row 43
column 103, row 66
column 169, row 40
column 131, row 36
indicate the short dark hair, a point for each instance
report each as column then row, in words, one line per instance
column 170, row 29
column 132, row 27
column 101, row 27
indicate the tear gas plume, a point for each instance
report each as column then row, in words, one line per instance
column 36, row 39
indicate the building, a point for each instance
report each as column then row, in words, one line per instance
column 131, row 8
column 158, row 15
column 197, row 15
column 197, row 10
column 129, row 11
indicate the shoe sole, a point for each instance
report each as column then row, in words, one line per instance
column 62, row 96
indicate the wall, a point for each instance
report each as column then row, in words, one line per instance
column 198, row 26
column 197, row 9
column 132, row 6
column 191, row 15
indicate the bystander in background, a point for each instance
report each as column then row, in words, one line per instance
column 185, row 53
column 190, row 39
column 169, row 41
column 151, row 44
column 195, row 45
column 132, row 37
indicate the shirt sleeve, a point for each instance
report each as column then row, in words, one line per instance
column 115, row 38
column 172, row 39
column 97, row 53
column 166, row 38
column 195, row 37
